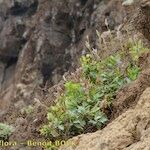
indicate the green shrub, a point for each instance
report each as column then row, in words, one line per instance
column 5, row 131
column 78, row 109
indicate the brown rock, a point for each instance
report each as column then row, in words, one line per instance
column 141, row 21
column 129, row 95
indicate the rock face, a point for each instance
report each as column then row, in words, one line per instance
column 129, row 95
column 35, row 43
column 40, row 40
column 130, row 131
column 141, row 20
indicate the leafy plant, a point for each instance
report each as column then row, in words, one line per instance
column 5, row 131
column 108, row 77
column 78, row 108
column 132, row 72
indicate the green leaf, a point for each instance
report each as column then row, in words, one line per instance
column 103, row 119
column 61, row 127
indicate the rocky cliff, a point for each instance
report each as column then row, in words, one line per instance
column 38, row 42
column 41, row 40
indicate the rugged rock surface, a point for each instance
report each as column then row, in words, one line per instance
column 129, row 95
column 40, row 40
column 35, row 38
column 141, row 20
